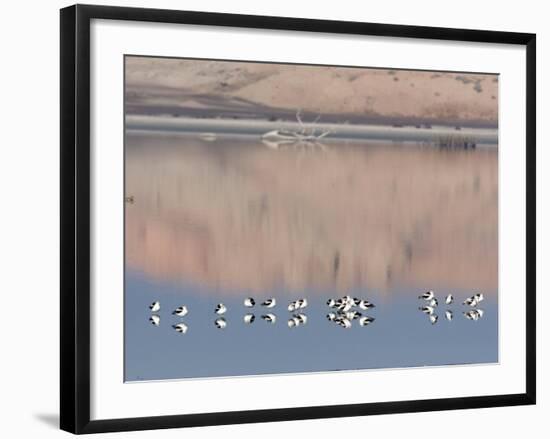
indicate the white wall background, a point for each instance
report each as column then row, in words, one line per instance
column 29, row 248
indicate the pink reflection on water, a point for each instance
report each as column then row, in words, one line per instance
column 236, row 216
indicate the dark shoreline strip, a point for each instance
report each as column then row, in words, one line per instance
column 434, row 134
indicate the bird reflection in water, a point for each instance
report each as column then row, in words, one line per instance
column 344, row 313
column 431, row 304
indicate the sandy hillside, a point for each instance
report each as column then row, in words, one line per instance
column 334, row 90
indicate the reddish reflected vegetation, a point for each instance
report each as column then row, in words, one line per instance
column 236, row 216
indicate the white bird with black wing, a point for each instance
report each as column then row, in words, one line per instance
column 366, row 320
column 180, row 327
column 220, row 309
column 220, row 323
column 180, row 311
column 269, row 303
column 428, row 295
column 269, row 318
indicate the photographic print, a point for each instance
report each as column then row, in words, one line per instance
column 294, row 218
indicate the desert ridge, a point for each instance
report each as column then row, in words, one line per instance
column 276, row 91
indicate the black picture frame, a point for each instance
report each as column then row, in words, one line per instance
column 75, row 217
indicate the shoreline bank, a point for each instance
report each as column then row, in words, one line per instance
column 398, row 133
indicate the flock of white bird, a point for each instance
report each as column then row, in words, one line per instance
column 431, row 304
column 268, row 317
column 298, row 318
column 344, row 311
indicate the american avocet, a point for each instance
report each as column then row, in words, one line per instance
column 220, row 308
column 181, row 311
column 220, row 323
column 366, row 320
column 427, row 309
column 269, row 303
column 180, row 327
column 428, row 295
column 270, row 318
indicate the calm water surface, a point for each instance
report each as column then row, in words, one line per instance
column 219, row 221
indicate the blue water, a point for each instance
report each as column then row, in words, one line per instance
column 400, row 336
column 208, row 220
